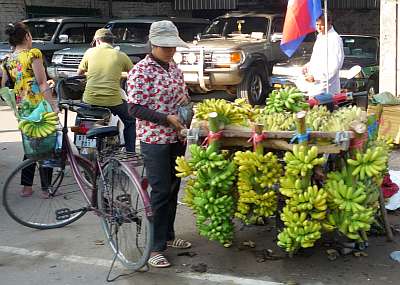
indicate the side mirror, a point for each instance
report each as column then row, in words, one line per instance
column 63, row 38
column 276, row 37
column 198, row 37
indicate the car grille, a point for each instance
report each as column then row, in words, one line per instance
column 72, row 60
column 207, row 58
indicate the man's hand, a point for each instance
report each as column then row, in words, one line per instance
column 174, row 121
column 309, row 78
column 183, row 100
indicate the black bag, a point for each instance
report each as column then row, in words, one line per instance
column 9, row 83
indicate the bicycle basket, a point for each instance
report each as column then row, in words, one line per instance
column 39, row 148
column 72, row 89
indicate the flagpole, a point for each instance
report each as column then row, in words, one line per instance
column 326, row 35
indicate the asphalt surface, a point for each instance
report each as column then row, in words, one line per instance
column 74, row 255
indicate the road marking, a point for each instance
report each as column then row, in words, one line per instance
column 219, row 278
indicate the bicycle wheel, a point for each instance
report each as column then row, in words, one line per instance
column 126, row 225
column 59, row 192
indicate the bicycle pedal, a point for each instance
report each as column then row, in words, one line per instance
column 63, row 214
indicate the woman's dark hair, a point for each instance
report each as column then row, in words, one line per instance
column 16, row 33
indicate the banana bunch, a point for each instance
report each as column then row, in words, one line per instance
column 299, row 232
column 283, row 121
column 371, row 163
column 312, row 200
column 350, row 223
column 45, row 127
column 182, row 167
column 317, row 118
column 248, row 111
column 227, row 112
column 344, row 197
column 286, row 99
column 302, row 160
column 257, row 174
column 290, row 186
column 209, row 191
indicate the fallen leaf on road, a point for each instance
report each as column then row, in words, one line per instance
column 99, row 242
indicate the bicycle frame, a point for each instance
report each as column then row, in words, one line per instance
column 90, row 191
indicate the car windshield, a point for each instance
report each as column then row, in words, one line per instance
column 42, row 30
column 130, row 32
column 236, row 26
column 360, row 47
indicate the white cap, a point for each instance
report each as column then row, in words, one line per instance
column 165, row 34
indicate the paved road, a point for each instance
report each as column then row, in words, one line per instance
column 72, row 256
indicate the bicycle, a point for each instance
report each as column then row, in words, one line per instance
column 110, row 186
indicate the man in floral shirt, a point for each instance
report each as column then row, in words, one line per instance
column 155, row 91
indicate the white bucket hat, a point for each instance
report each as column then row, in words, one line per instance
column 165, row 34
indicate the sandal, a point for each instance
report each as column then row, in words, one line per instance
column 179, row 243
column 158, row 261
column 26, row 192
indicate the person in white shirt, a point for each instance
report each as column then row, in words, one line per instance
column 316, row 71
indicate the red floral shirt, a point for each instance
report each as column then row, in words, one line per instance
column 155, row 88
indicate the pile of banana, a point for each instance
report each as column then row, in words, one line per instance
column 317, row 118
column 341, row 119
column 306, row 204
column 257, row 175
column 228, row 113
column 302, row 160
column 286, row 99
column 45, row 127
column 209, row 191
column 283, row 121
column 371, row 163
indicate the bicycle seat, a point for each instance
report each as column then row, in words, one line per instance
column 93, row 113
column 102, row 132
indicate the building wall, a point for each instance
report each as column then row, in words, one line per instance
column 10, row 11
column 357, row 21
column 389, row 73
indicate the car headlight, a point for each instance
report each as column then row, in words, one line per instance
column 227, row 58
column 178, row 57
column 57, row 58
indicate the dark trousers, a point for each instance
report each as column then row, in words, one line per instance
column 129, row 125
column 28, row 173
column 159, row 160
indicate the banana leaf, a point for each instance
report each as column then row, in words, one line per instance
column 9, row 96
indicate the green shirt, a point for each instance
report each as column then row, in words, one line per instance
column 103, row 66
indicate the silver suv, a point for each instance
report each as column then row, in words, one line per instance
column 234, row 53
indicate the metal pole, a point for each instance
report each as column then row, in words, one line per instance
column 327, row 49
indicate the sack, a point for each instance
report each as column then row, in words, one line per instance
column 36, row 114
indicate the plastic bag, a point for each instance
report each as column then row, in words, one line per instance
column 385, row 98
column 36, row 115
column 185, row 113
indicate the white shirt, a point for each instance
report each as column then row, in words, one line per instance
column 317, row 65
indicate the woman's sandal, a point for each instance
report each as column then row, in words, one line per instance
column 158, row 261
column 179, row 243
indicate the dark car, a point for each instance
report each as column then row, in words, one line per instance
column 359, row 50
column 131, row 38
column 52, row 34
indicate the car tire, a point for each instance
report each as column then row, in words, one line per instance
column 253, row 86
